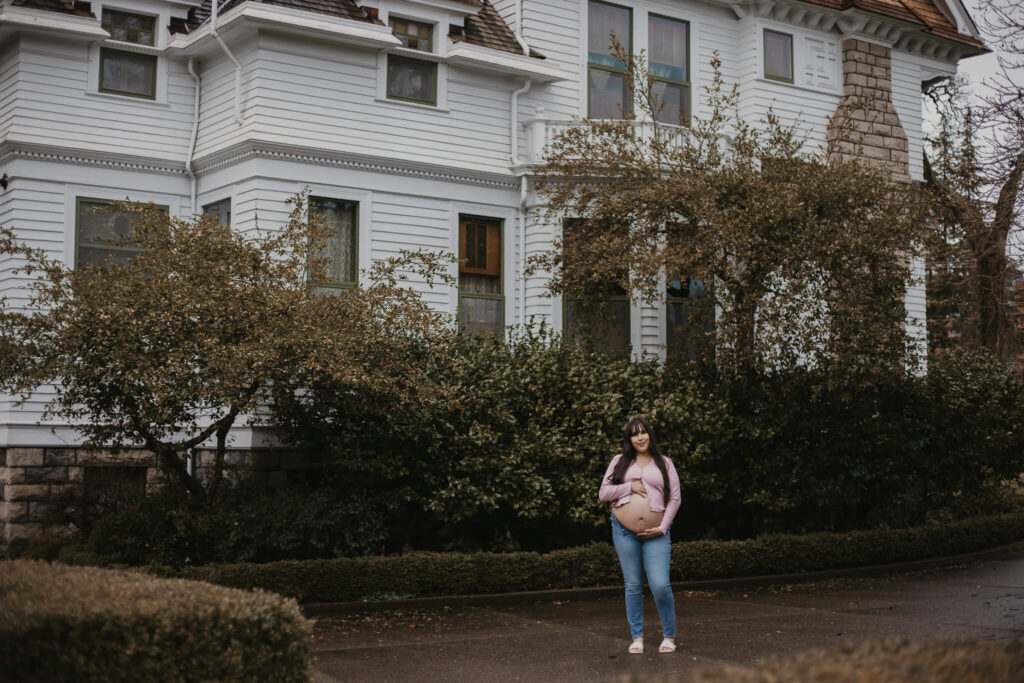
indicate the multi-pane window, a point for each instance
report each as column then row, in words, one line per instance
column 608, row 94
column 481, row 301
column 123, row 72
column 339, row 250
column 409, row 78
column 778, row 56
column 669, row 67
column 103, row 232
column 220, row 210
column 601, row 321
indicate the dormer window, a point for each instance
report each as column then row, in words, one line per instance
column 411, row 79
column 123, row 72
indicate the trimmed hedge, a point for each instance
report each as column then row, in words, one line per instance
column 427, row 573
column 881, row 661
column 62, row 623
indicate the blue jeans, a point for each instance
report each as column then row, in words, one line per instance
column 652, row 555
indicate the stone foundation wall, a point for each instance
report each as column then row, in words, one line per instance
column 42, row 489
column 866, row 125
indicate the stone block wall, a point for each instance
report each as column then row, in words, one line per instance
column 42, row 489
column 866, row 125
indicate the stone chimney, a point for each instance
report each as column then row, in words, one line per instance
column 866, row 124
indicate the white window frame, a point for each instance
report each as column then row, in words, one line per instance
column 74, row 192
column 364, row 213
column 509, row 276
column 440, row 21
column 640, row 11
column 162, row 15
column 801, row 56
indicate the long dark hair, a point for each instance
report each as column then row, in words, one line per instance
column 636, row 426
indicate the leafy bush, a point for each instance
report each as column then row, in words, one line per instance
column 880, row 661
column 426, row 573
column 248, row 522
column 514, row 462
column 60, row 623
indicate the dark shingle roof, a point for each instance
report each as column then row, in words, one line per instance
column 487, row 29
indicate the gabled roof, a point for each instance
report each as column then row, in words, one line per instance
column 486, row 28
column 924, row 13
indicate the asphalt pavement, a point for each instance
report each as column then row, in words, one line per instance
column 582, row 636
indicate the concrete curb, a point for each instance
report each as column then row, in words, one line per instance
column 327, row 609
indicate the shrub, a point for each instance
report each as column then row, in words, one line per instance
column 248, row 522
column 60, row 623
column 880, row 661
column 425, row 573
column 514, row 463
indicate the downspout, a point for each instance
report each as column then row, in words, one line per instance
column 195, row 134
column 522, row 247
column 238, row 67
column 514, row 124
column 520, row 214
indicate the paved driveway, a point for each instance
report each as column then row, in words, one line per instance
column 585, row 638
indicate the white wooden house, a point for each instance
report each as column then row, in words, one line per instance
column 414, row 123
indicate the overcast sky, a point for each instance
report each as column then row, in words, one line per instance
column 983, row 66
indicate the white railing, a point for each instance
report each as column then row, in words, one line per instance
column 541, row 132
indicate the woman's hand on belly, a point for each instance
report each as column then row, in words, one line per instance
column 636, row 515
column 653, row 532
column 637, row 486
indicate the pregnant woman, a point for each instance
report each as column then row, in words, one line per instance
column 643, row 488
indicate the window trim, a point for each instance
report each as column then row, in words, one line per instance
column 331, row 284
column 146, row 51
column 600, row 67
column 105, row 53
column 79, row 199
column 126, row 13
column 415, row 56
column 792, row 58
column 413, row 60
column 688, row 83
column 227, row 200
column 501, row 272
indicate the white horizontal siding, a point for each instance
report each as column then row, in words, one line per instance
column 8, row 87
column 58, row 106
column 916, row 305
column 539, row 237
column 409, row 222
column 552, row 27
column 907, row 98
column 217, row 126
column 35, row 210
column 326, row 98
column 507, row 10
column 715, row 30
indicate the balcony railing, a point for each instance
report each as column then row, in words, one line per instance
column 540, row 132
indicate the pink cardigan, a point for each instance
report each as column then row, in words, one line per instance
column 618, row 494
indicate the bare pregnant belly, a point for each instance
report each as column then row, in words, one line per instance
column 636, row 515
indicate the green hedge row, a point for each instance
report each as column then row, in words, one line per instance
column 878, row 661
column 428, row 573
column 62, row 623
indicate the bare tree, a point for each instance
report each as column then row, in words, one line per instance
column 973, row 169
